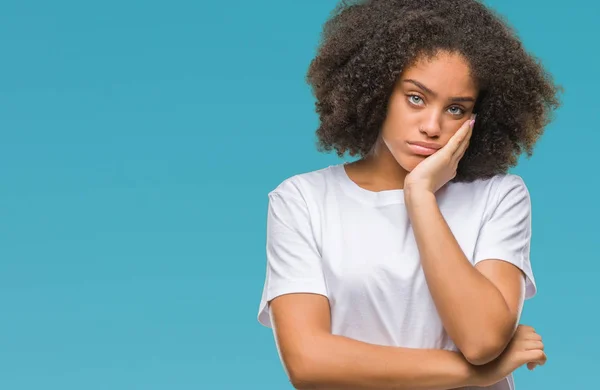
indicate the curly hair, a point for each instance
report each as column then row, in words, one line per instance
column 365, row 46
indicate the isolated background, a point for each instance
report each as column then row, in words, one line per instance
column 139, row 140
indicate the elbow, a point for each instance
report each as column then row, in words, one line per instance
column 301, row 372
column 483, row 351
column 301, row 381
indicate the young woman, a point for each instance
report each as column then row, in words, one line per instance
column 408, row 268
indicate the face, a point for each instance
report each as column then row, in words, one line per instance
column 429, row 103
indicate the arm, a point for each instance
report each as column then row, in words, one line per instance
column 481, row 312
column 316, row 359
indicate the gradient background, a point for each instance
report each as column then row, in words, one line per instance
column 139, row 140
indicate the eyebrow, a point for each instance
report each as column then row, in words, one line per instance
column 429, row 91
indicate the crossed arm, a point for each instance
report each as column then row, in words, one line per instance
column 479, row 306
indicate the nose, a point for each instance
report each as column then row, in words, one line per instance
column 431, row 126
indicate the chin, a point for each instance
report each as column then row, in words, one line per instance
column 409, row 162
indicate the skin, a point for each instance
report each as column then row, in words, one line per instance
column 425, row 118
column 316, row 359
column 433, row 102
column 490, row 295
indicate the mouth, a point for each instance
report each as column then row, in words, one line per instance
column 423, row 149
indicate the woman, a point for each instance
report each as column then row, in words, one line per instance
column 408, row 268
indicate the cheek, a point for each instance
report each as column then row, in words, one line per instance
column 399, row 124
column 452, row 129
column 401, row 153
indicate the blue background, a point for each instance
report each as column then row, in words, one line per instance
column 139, row 140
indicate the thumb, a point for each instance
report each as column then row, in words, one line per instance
column 533, row 358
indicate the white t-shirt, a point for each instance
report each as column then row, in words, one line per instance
column 329, row 236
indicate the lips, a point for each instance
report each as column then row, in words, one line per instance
column 423, row 148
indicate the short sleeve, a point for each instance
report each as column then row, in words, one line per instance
column 293, row 259
column 506, row 233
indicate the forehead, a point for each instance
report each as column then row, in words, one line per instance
column 446, row 74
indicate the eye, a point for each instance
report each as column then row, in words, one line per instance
column 415, row 99
column 457, row 110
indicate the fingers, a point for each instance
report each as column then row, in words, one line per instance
column 534, row 336
column 463, row 136
column 460, row 151
column 533, row 344
column 533, row 365
column 460, row 135
column 525, row 330
column 539, row 357
column 534, row 357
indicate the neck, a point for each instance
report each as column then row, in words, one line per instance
column 378, row 171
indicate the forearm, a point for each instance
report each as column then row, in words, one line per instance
column 340, row 363
column 473, row 311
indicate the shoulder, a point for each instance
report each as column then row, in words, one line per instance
column 496, row 185
column 304, row 185
column 486, row 194
column 509, row 186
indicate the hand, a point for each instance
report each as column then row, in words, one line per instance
column 526, row 347
column 439, row 168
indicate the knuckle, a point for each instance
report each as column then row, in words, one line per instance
column 539, row 355
column 534, row 336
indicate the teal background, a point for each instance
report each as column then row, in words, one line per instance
column 139, row 140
